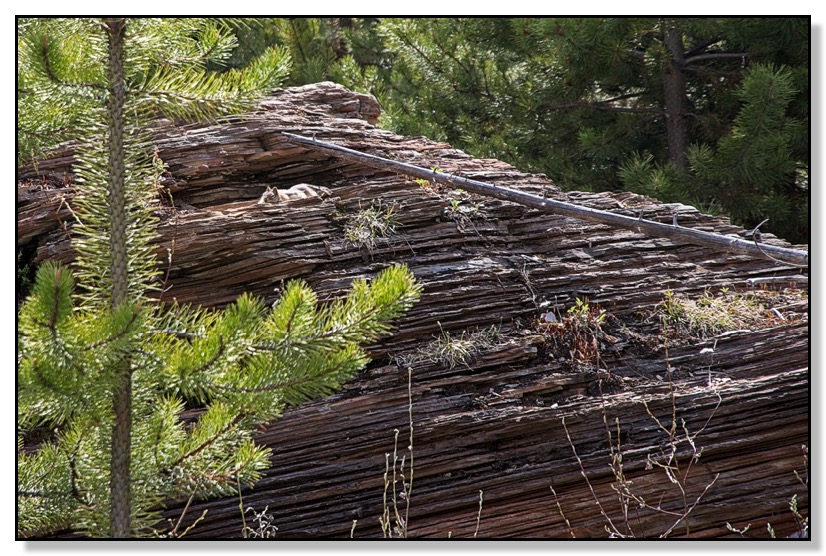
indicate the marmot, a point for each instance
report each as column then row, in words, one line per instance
column 296, row 192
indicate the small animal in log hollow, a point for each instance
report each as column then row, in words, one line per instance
column 294, row 193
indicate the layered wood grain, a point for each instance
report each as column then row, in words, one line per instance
column 495, row 422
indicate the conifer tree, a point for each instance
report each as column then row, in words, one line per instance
column 103, row 371
column 595, row 103
column 618, row 103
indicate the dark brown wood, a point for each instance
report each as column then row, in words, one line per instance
column 494, row 422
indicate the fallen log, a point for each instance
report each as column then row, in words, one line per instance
column 484, row 359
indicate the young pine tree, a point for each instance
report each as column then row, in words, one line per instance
column 103, row 371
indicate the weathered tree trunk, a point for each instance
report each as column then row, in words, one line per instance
column 492, row 271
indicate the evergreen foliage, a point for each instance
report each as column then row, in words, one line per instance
column 658, row 106
column 104, row 372
column 586, row 101
column 346, row 50
column 243, row 364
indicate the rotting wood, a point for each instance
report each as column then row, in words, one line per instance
column 655, row 229
column 492, row 423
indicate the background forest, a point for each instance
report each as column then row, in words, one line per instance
column 711, row 112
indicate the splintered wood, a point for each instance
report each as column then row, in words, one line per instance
column 499, row 279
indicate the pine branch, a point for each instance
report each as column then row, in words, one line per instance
column 52, row 324
column 201, row 447
column 204, row 107
column 74, row 478
column 412, row 45
column 290, row 319
column 193, row 59
column 120, row 334
column 47, row 65
column 74, row 492
column 600, row 104
column 296, row 40
column 178, row 333
column 214, row 359
column 320, row 337
column 44, row 382
column 52, row 495
column 283, row 385
column 446, row 52
column 714, row 56
column 701, row 47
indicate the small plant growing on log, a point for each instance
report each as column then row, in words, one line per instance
column 462, row 211
column 368, row 226
column 394, row 474
column 579, row 332
column 264, row 527
column 742, row 532
column 428, row 185
column 712, row 314
column 451, row 350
